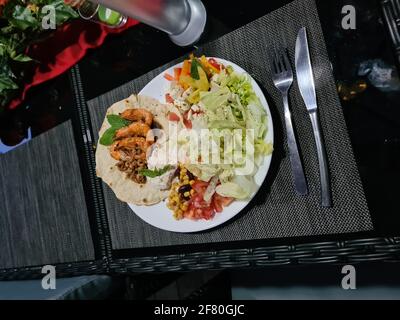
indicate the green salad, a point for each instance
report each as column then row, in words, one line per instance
column 226, row 103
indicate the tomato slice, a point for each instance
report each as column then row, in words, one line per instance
column 217, row 204
column 198, row 202
column 200, row 209
column 188, row 123
column 169, row 77
column 215, row 64
column 224, row 201
column 168, row 98
column 173, row 117
column 200, row 187
column 189, row 214
column 198, row 213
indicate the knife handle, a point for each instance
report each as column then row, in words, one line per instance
column 326, row 199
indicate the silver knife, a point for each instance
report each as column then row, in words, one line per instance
column 305, row 80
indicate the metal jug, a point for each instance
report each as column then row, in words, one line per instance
column 183, row 20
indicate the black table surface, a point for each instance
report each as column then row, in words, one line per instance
column 364, row 67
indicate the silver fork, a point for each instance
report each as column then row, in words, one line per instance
column 283, row 80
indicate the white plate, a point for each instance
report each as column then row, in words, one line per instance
column 159, row 215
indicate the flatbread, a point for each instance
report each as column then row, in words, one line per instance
column 124, row 188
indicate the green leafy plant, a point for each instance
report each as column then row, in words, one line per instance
column 20, row 26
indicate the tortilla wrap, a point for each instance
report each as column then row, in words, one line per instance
column 124, row 188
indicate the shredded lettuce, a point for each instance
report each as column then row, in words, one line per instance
column 232, row 190
column 241, row 187
column 203, row 172
column 240, row 84
column 212, row 100
column 232, row 104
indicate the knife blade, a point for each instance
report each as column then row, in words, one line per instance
column 306, row 83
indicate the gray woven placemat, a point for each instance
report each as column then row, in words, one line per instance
column 43, row 214
column 277, row 211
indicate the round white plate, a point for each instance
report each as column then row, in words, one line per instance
column 159, row 215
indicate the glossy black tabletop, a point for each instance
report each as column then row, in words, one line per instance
column 363, row 63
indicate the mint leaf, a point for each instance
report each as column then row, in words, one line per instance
column 116, row 121
column 107, row 138
column 155, row 173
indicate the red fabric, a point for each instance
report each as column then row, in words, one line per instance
column 64, row 49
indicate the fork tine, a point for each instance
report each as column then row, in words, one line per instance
column 276, row 62
column 286, row 60
column 281, row 63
